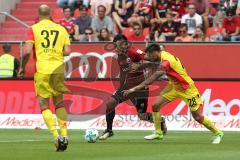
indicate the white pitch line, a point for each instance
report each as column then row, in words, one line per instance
column 17, row 141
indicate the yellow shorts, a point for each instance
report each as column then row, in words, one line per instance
column 47, row 85
column 190, row 96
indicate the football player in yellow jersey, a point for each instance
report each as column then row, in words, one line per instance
column 51, row 42
column 180, row 85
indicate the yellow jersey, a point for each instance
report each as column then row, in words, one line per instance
column 175, row 71
column 49, row 39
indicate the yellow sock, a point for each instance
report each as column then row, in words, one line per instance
column 209, row 125
column 62, row 120
column 157, row 122
column 50, row 122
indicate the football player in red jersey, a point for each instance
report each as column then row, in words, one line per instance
column 127, row 55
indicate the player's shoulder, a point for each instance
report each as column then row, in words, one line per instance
column 34, row 25
column 58, row 26
column 167, row 55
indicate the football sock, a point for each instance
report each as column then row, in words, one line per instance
column 62, row 120
column 157, row 122
column 109, row 118
column 50, row 122
column 209, row 125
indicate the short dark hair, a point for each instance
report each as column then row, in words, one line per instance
column 83, row 7
column 230, row 12
column 184, row 25
column 153, row 47
column 102, row 7
column 66, row 7
column 88, row 28
column 136, row 24
column 7, row 47
column 119, row 37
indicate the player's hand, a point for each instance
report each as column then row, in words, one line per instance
column 21, row 73
column 126, row 93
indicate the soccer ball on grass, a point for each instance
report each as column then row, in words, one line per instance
column 91, row 135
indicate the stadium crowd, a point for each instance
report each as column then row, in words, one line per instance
column 152, row 20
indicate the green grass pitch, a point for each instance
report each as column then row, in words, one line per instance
column 125, row 145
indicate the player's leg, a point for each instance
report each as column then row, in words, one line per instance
column 46, row 86
column 110, row 114
column 193, row 99
column 61, row 114
column 167, row 95
column 157, row 105
column 140, row 101
column 50, row 121
column 48, row 116
column 204, row 120
column 44, row 92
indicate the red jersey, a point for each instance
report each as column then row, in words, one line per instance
column 232, row 25
column 135, row 38
column 69, row 25
column 131, row 79
column 148, row 4
column 178, row 7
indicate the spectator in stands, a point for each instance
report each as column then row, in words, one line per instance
column 82, row 22
column 65, row 3
column 219, row 17
column 102, row 21
column 89, row 36
column 106, row 3
column 192, row 19
column 68, row 21
column 203, row 9
column 183, row 35
column 137, row 33
column 104, row 35
column 214, row 33
column 123, row 10
column 9, row 65
column 142, row 12
column 231, row 27
column 177, row 7
column 169, row 28
column 162, row 7
column 155, row 34
column 198, row 35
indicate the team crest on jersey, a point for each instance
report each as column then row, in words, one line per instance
column 128, row 60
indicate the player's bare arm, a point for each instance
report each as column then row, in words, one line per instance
column 144, row 65
column 66, row 50
column 144, row 84
column 25, row 58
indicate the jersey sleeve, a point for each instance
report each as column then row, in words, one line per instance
column 29, row 36
column 165, row 65
column 136, row 54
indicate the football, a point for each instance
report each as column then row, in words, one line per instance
column 91, row 135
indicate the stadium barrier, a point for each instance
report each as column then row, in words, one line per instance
column 216, row 65
column 202, row 60
column 19, row 106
